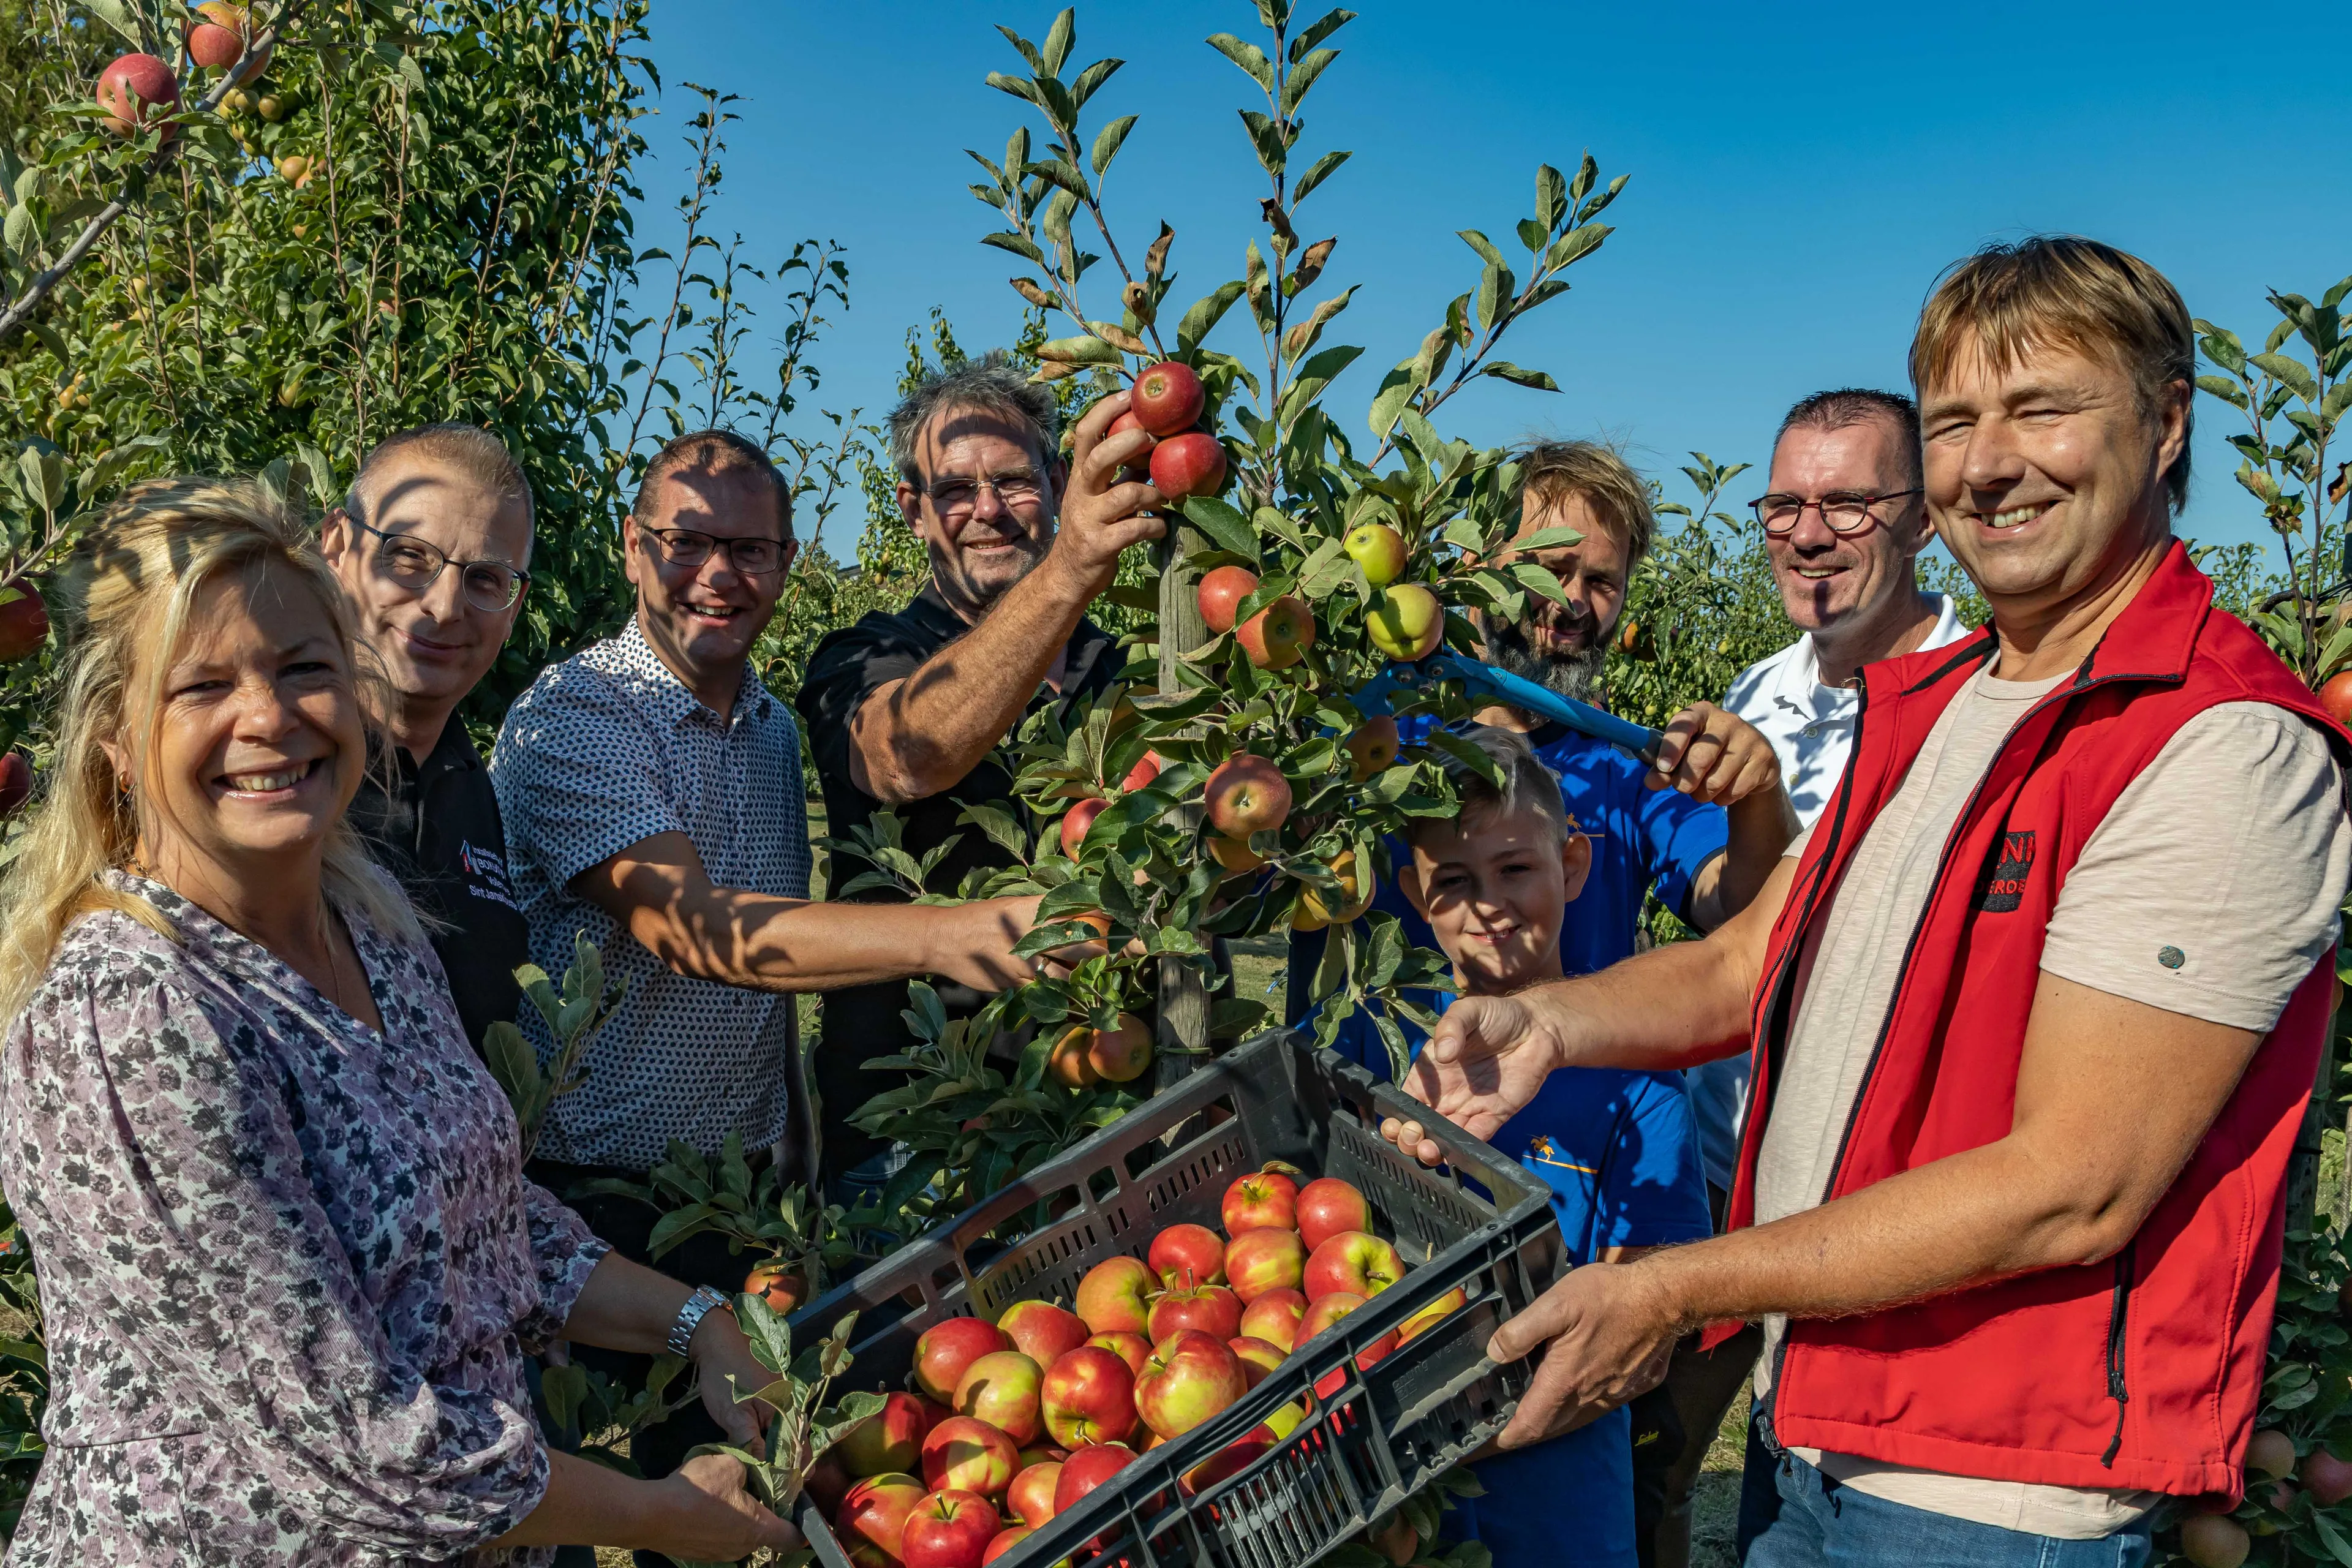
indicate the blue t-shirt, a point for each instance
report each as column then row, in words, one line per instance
column 1620, row 1152
column 1643, row 840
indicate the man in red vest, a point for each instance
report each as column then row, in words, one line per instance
column 2033, row 1008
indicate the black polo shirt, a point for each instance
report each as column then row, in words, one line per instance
column 441, row 836
column 846, row 669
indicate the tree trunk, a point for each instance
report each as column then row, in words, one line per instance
column 1183, row 1035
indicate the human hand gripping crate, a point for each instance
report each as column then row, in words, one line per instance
column 1249, row 1328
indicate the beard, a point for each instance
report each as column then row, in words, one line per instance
column 977, row 591
column 1575, row 675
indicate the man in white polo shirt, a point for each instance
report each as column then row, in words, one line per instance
column 1845, row 522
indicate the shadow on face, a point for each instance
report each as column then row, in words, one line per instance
column 1562, row 646
column 703, row 615
column 986, row 507
column 1495, row 888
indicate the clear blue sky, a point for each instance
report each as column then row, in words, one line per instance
column 1800, row 175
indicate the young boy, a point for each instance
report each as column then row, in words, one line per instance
column 1619, row 1150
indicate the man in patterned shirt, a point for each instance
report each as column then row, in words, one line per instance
column 651, row 788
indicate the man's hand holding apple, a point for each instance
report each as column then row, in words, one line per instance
column 1102, row 513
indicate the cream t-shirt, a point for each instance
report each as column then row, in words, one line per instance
column 2210, row 888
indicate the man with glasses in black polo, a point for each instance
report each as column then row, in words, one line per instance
column 431, row 546
column 1843, row 525
column 903, row 710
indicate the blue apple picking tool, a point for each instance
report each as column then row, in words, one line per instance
column 1486, row 680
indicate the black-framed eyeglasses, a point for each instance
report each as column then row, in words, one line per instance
column 955, row 498
column 490, row 586
column 1843, row 512
column 689, row 547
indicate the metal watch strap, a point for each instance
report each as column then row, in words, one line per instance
column 689, row 1317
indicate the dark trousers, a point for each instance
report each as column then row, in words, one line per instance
column 697, row 1260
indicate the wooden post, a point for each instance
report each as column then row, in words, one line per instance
column 1183, row 1033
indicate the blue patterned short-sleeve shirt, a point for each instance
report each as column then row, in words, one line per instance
column 607, row 750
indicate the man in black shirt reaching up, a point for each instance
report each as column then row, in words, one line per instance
column 903, row 710
column 432, row 546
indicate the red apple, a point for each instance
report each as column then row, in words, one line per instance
column 1190, row 1377
column 1265, row 1259
column 1002, row 1389
column 947, row 1348
column 212, row 45
column 875, row 1511
column 1030, row 1498
column 24, row 624
column 1193, row 464
column 1324, row 1311
column 950, row 1528
column 1042, row 1331
column 1278, row 635
column 1445, row 1306
column 1187, row 1255
column 1089, row 1397
column 2270, row 1453
column 1351, row 1260
column 1076, row 822
column 1068, row 1062
column 16, row 782
column 1087, row 1469
column 2327, row 1478
column 1228, row 1461
column 135, row 91
column 1223, row 589
column 1371, row 749
column 2335, row 695
column 1275, row 1318
column 784, row 1288
column 1167, row 399
column 969, row 1455
column 1115, row 1297
column 1211, row 1309
column 888, row 1443
column 1378, row 549
column 2214, row 1540
column 866, row 1554
column 1039, row 1453
column 1132, row 1349
column 934, row 1411
column 1329, row 1206
column 1007, row 1540
column 1256, row 1356
column 1260, row 1200
column 1146, row 769
column 1408, row 623
column 827, row 1483
column 1246, row 794
column 1120, row 1054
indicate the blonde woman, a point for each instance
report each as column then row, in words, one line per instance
column 289, row 1265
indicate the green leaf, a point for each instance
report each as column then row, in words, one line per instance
column 1325, row 570
column 1205, row 313
column 117, row 15
column 1224, row 525
column 1396, row 390
column 1576, row 244
column 771, row 1337
column 1540, row 579
column 1247, row 56
column 1495, row 289
column 2226, row 389
column 1090, row 80
column 1545, row 539
column 1055, row 51
column 1551, row 200
column 513, row 1062
column 1107, row 141
column 1504, row 370
column 1482, row 244
column 1318, row 172
column 1302, row 77
column 2290, row 373
column 1317, row 30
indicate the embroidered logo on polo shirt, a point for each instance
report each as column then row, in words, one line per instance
column 2005, row 887
column 485, row 873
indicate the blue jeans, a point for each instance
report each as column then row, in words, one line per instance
column 1792, row 1516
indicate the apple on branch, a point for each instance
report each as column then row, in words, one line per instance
column 1246, row 794
column 1168, row 399
column 1278, row 635
column 1407, row 624
column 1220, row 593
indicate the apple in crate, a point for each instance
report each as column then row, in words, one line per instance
column 1428, row 1317
column 949, row 1529
column 1267, row 1259
column 1042, row 1331
column 1132, row 1349
column 1261, row 1201
column 1002, row 1389
column 963, row 1454
column 1228, row 1461
column 1030, row 1498
column 1085, row 1470
column 875, row 1511
column 1190, row 1377
column 1089, row 1398
column 1327, row 1206
column 890, row 1441
column 1116, row 1295
column 1256, row 1356
column 1187, row 1255
column 1275, row 1318
column 947, row 1348
column 1007, row 1540
column 1213, row 1308
column 1352, row 1260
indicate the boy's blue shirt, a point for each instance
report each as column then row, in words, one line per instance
column 1620, row 1152
column 1643, row 840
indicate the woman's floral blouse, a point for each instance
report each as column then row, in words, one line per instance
column 290, row 1267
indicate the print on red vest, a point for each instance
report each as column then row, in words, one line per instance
column 2006, row 885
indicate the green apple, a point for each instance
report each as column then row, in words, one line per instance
column 1379, row 550
column 1408, row 623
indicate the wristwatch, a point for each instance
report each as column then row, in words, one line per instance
column 689, row 1317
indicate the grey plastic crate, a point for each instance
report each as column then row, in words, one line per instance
column 1484, row 1224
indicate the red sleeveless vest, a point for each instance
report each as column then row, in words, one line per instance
column 2141, row 1372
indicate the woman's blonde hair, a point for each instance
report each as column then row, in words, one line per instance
column 125, row 591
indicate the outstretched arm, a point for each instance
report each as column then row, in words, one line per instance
column 1715, row 756
column 2069, row 1184
column 659, row 892
column 918, row 736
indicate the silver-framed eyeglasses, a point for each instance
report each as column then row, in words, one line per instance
column 754, row 557
column 1843, row 512
column 956, row 498
column 415, row 564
